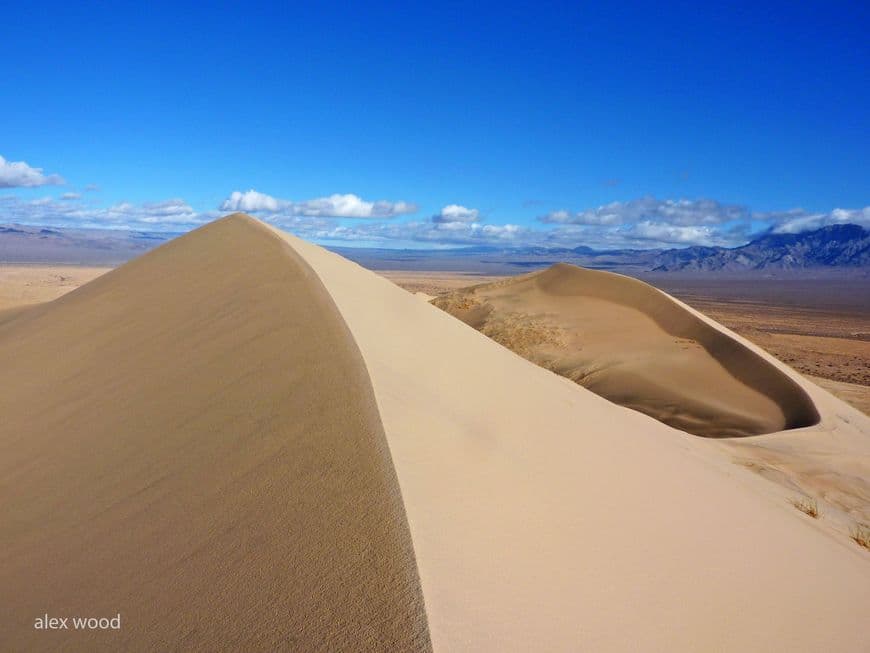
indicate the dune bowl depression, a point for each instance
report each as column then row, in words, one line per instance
column 636, row 346
column 241, row 441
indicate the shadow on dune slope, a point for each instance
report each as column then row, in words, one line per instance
column 634, row 345
column 192, row 441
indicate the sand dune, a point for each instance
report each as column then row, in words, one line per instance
column 230, row 440
column 632, row 344
column 192, row 440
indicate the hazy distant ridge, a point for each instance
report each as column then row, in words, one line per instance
column 35, row 244
column 835, row 246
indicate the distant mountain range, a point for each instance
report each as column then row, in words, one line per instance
column 844, row 247
column 841, row 245
column 836, row 247
column 29, row 244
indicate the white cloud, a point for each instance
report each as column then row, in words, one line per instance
column 678, row 212
column 648, row 222
column 17, row 174
column 798, row 220
column 351, row 206
column 334, row 206
column 168, row 215
column 70, row 196
column 674, row 234
column 453, row 225
column 680, row 223
column 431, row 233
column 168, row 212
column 456, row 213
column 249, row 201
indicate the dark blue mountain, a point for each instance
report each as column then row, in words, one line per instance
column 841, row 245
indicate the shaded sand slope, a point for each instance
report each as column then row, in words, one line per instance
column 192, row 440
column 632, row 344
column 547, row 518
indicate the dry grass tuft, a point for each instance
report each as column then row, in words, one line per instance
column 523, row 334
column 808, row 506
column 861, row 535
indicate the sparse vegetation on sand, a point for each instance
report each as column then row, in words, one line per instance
column 861, row 535
column 808, row 506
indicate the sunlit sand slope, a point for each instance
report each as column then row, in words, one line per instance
column 547, row 518
column 192, row 441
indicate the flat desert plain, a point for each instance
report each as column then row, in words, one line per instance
column 23, row 284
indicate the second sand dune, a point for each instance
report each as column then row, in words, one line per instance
column 634, row 345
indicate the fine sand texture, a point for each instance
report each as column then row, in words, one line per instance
column 192, row 441
column 632, row 344
column 545, row 517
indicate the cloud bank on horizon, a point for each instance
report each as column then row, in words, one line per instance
column 18, row 174
column 334, row 206
column 645, row 222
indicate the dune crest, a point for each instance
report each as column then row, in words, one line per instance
column 192, row 441
column 634, row 345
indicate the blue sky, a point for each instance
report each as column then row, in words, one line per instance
column 455, row 123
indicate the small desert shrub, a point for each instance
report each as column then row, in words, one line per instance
column 808, row 506
column 861, row 535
